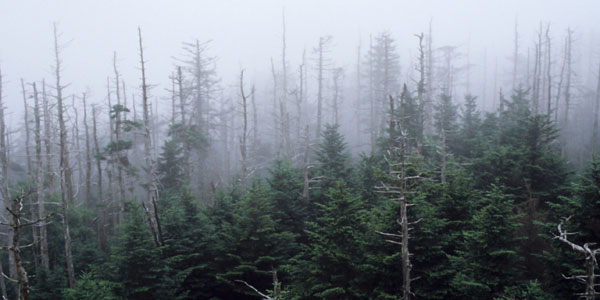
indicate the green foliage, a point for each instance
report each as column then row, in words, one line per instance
column 136, row 263
column 488, row 262
column 333, row 157
column 88, row 287
column 326, row 268
column 170, row 165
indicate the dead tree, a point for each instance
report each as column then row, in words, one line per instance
column 338, row 74
column 4, row 182
column 243, row 138
column 15, row 248
column 567, row 94
column 549, row 70
column 32, row 210
column 421, row 95
column 283, row 113
column 119, row 155
column 322, row 63
column 48, row 140
column 560, row 81
column 276, row 293
column 39, row 182
column 65, row 168
column 101, row 226
column 149, row 182
column 396, row 189
column 537, row 71
column 88, row 159
column 184, row 126
column 515, row 56
column 26, row 123
column 596, row 112
column 110, row 166
column 590, row 262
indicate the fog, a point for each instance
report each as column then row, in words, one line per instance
column 246, row 34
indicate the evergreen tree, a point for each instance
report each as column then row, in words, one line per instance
column 489, row 263
column 327, row 266
column 136, row 263
column 333, row 158
column 170, row 166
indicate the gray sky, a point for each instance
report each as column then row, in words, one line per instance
column 247, row 33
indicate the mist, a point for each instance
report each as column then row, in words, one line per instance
column 313, row 112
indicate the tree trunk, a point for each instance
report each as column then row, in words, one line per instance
column 102, row 238
column 567, row 92
column 549, row 71
column 243, row 138
column 184, row 126
column 119, row 118
column 421, row 96
column 88, row 159
column 596, row 112
column 149, row 184
column 30, row 178
column 4, row 182
column 39, row 183
column 48, row 141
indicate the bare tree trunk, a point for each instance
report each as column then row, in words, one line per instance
column 537, row 71
column 39, row 182
column 254, row 120
column 567, row 92
column 186, row 144
column 421, row 96
column 102, row 238
column 26, row 123
column 243, row 138
column 596, row 112
column 76, row 138
column 65, row 168
column 549, row 71
column 429, row 80
column 560, row 82
column 515, row 57
column 149, row 184
column 48, row 140
column 397, row 161
column 88, row 159
column 320, row 81
column 337, row 87
column 276, row 131
column 358, row 93
column 306, row 187
column 372, row 129
column 119, row 119
column 284, row 118
column 173, row 98
column 4, row 183
column 110, row 166
column 590, row 262
column 30, row 178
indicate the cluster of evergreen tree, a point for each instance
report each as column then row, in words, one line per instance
column 492, row 190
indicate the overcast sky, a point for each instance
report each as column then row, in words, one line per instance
column 246, row 33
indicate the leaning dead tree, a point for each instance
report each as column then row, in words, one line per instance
column 590, row 262
column 396, row 189
column 15, row 248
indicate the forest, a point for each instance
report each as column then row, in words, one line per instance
column 322, row 179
